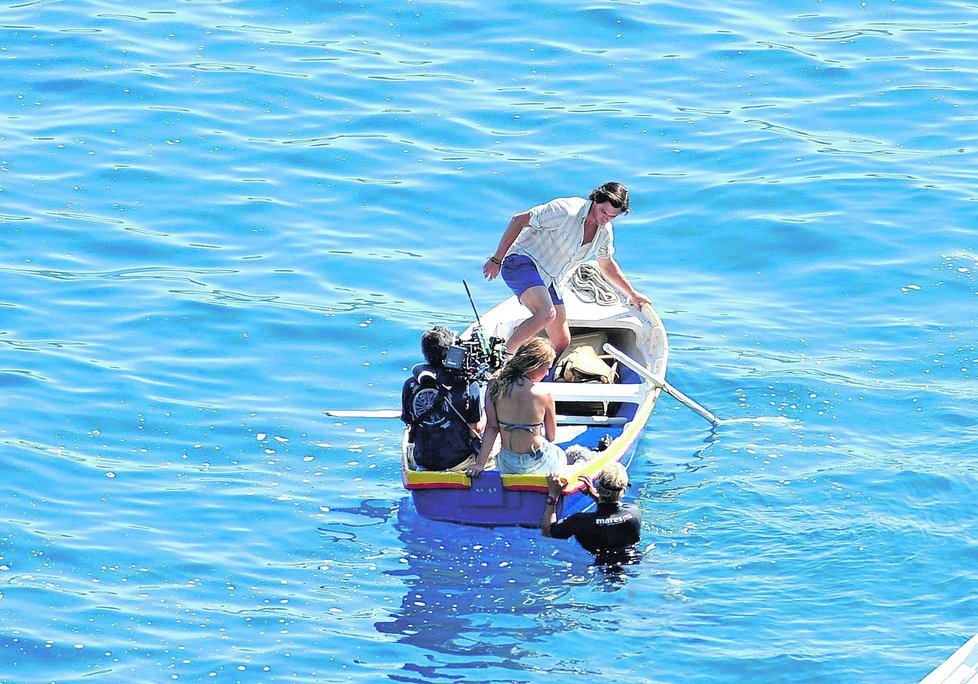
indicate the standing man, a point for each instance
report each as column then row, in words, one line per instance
column 540, row 248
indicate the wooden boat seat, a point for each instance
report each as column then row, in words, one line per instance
column 589, row 391
column 590, row 420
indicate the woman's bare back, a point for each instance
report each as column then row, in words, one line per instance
column 522, row 416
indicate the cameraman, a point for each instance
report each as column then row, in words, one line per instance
column 442, row 408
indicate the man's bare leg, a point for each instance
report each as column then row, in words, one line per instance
column 542, row 316
column 558, row 331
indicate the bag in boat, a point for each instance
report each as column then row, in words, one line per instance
column 583, row 364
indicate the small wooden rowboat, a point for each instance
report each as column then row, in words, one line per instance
column 589, row 413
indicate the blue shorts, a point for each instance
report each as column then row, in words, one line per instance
column 520, row 274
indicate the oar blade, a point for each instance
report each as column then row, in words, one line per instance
column 379, row 413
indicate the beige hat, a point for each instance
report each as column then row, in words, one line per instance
column 612, row 482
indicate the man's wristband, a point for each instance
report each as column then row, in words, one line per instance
column 496, row 261
column 552, row 500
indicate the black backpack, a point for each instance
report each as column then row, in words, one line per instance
column 442, row 438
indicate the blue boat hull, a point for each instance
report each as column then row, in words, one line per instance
column 497, row 500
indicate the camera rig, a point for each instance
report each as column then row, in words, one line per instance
column 476, row 358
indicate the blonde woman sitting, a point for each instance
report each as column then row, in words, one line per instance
column 521, row 415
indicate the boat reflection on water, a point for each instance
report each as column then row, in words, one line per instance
column 500, row 593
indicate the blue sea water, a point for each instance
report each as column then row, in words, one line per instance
column 219, row 218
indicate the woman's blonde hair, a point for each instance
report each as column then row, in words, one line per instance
column 529, row 356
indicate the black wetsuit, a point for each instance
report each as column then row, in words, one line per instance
column 611, row 528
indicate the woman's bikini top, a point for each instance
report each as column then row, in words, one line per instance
column 532, row 428
column 529, row 427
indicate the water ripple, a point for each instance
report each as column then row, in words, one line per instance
column 152, row 273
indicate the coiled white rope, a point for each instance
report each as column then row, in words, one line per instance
column 591, row 282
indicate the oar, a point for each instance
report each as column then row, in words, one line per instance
column 379, row 413
column 661, row 383
column 561, row 420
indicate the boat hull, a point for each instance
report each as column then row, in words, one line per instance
column 494, row 499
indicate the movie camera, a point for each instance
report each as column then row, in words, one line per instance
column 475, row 359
